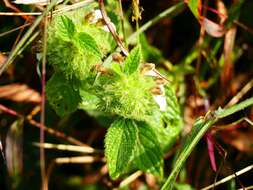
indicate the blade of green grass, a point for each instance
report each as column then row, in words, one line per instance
column 171, row 11
column 221, row 113
column 199, row 129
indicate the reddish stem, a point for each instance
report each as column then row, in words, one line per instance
column 210, row 148
column 111, row 29
column 42, row 115
column 9, row 111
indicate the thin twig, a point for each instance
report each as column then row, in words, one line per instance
column 20, row 14
column 50, row 131
column 53, row 163
column 240, row 94
column 18, row 38
column 131, row 178
column 243, row 26
column 111, row 29
column 223, row 153
column 65, row 147
column 42, row 114
column 246, row 188
column 9, row 111
column 61, row 10
column 200, row 46
column 171, row 11
column 230, row 177
column 222, row 127
column 74, row 6
column 14, row 29
column 30, row 40
column 48, row 174
column 14, row 8
column 57, row 133
column 78, row 160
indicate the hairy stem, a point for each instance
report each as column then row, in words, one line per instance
column 111, row 29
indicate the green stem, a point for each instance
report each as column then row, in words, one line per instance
column 229, row 111
column 168, row 185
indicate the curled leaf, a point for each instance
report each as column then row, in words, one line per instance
column 19, row 93
column 14, row 149
column 3, row 58
column 213, row 29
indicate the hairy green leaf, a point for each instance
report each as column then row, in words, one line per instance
column 133, row 60
column 166, row 133
column 66, row 28
column 61, row 96
column 104, row 40
column 167, row 125
column 89, row 100
column 88, row 43
column 148, row 156
column 132, row 142
column 119, row 146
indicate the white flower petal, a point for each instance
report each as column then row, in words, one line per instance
column 161, row 101
column 97, row 15
column 162, row 89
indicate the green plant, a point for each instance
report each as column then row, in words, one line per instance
column 101, row 62
column 147, row 113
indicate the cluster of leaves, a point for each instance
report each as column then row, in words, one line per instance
column 83, row 79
